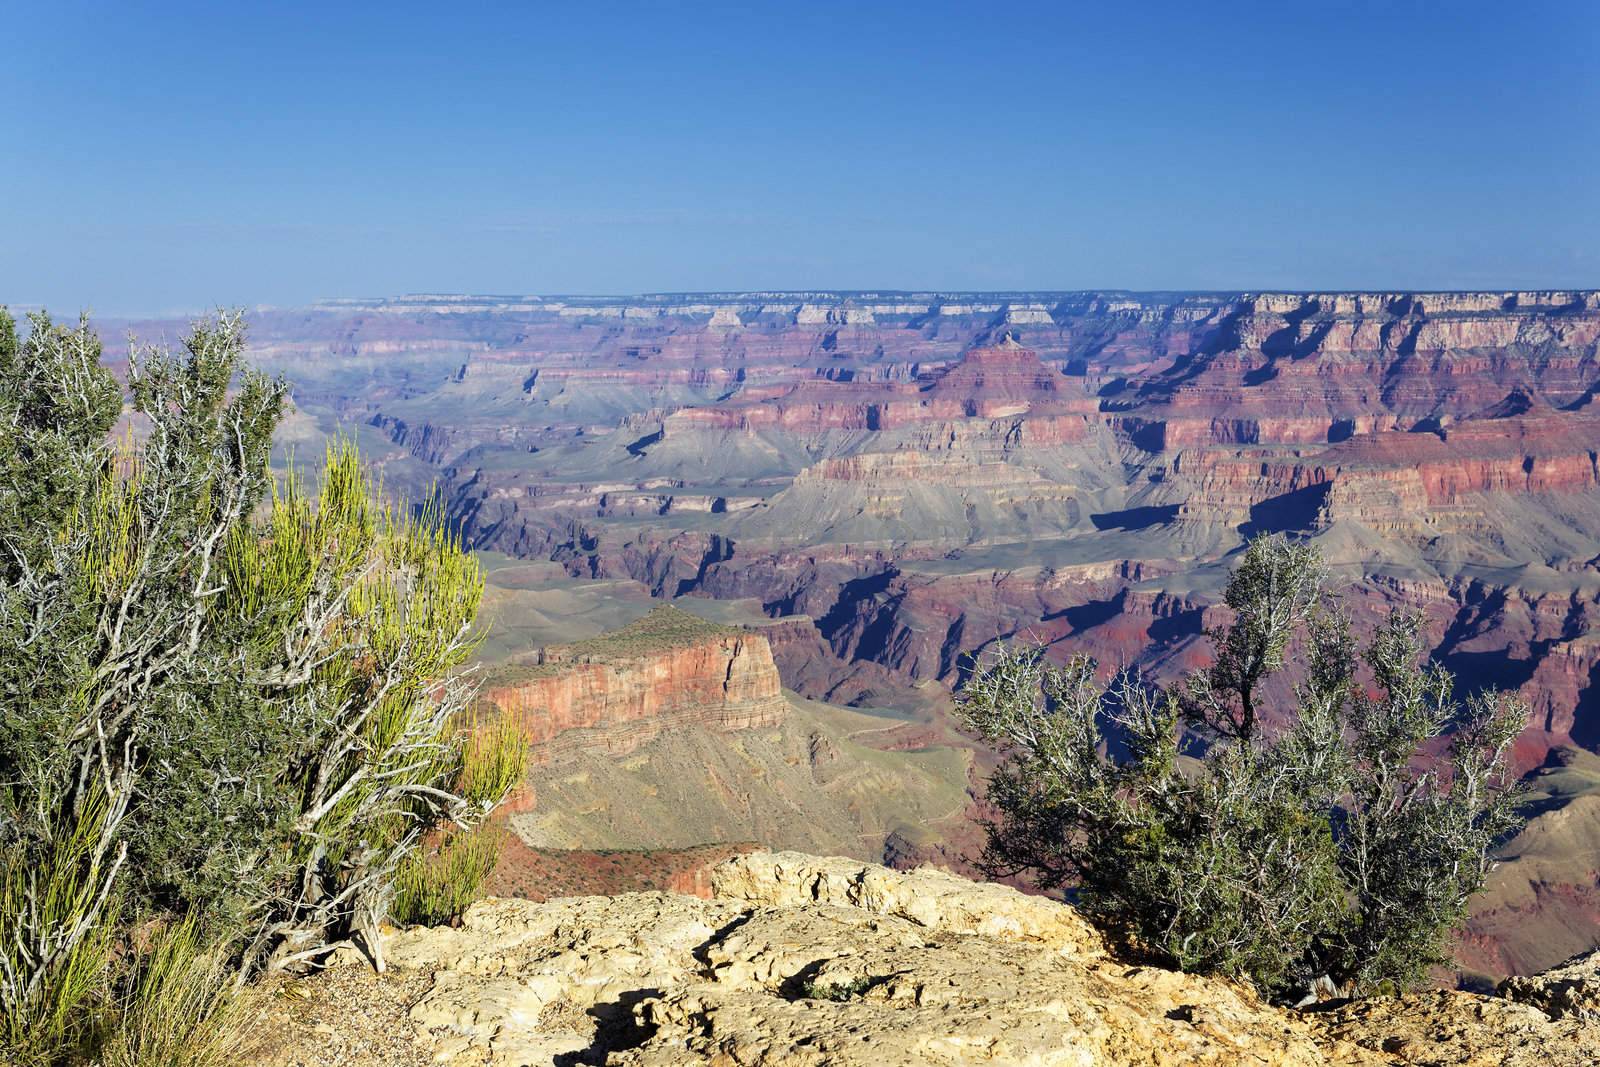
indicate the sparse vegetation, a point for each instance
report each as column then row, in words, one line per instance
column 812, row 989
column 234, row 706
column 1337, row 836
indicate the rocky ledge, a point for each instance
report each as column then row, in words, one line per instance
column 799, row 960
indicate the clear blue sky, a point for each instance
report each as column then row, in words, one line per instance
column 164, row 156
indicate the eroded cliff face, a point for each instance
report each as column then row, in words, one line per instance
column 664, row 672
column 672, row 732
column 798, row 960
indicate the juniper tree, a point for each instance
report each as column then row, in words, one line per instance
column 225, row 697
column 1339, row 836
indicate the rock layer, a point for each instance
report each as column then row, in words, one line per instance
column 614, row 694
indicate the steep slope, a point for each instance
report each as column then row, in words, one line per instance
column 664, row 672
column 814, row 781
column 1542, row 904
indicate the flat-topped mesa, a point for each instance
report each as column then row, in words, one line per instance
column 618, row 691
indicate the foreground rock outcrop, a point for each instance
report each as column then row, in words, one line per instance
column 1571, row 990
column 799, row 960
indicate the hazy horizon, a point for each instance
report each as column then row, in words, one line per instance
column 332, row 302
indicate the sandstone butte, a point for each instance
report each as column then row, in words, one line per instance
column 792, row 959
column 673, row 734
column 617, row 692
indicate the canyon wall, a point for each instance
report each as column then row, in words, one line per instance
column 614, row 694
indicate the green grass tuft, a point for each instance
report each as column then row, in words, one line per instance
column 56, row 945
column 182, row 1010
column 435, row 886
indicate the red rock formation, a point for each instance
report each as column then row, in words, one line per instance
column 990, row 383
column 619, row 692
column 1393, row 479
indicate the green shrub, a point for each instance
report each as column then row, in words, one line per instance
column 227, row 697
column 1339, row 837
column 435, row 885
column 812, row 989
column 494, row 758
column 181, row 1009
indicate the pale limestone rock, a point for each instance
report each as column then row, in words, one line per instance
column 1442, row 1028
column 1028, row 315
column 512, row 960
column 810, row 961
column 812, row 315
column 929, row 898
column 938, row 997
column 1572, row 989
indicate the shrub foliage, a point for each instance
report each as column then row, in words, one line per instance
column 436, row 884
column 227, row 698
column 1337, row 836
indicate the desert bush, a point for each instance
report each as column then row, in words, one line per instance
column 1338, row 837
column 434, row 886
column 435, row 883
column 494, row 758
column 227, row 697
column 55, row 950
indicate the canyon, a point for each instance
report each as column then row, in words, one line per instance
column 882, row 485
column 674, row 731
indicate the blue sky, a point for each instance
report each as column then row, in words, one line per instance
column 164, row 157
